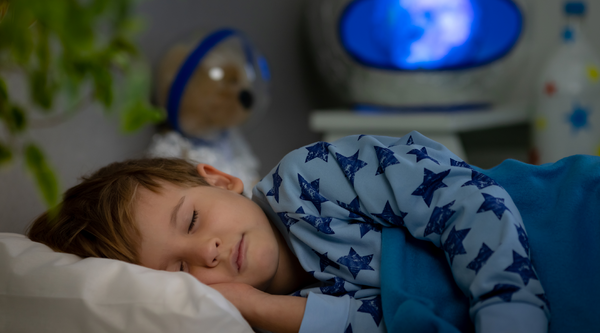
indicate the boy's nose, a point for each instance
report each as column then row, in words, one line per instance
column 209, row 253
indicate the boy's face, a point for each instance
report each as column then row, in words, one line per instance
column 211, row 232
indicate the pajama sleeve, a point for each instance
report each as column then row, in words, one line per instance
column 417, row 184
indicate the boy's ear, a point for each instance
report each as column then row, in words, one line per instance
column 218, row 178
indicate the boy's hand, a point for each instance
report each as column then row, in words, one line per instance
column 275, row 313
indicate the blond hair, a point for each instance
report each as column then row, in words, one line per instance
column 95, row 218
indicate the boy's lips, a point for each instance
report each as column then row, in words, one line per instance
column 238, row 255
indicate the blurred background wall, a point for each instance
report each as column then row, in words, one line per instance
column 91, row 140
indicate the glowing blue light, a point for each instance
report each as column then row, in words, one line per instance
column 429, row 34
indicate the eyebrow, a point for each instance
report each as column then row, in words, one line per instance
column 175, row 211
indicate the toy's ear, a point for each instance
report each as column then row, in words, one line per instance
column 218, row 178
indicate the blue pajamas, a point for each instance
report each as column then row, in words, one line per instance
column 331, row 202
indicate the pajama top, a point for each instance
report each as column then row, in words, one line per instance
column 331, row 201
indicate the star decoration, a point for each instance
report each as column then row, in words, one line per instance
column 350, row 165
column 461, row 164
column 550, row 88
column 337, row 289
column 318, row 150
column 482, row 257
column 373, row 307
column 388, row 215
column 310, row 192
column 504, row 291
column 324, row 261
column 453, row 244
column 410, row 141
column 480, row 180
column 523, row 238
column 354, row 209
column 366, row 227
column 421, row 155
column 360, row 137
column 522, row 266
column 276, row 184
column 494, row 204
column 355, row 262
column 431, row 182
column 578, row 118
column 386, row 158
column 439, row 218
column 320, row 223
column 287, row 220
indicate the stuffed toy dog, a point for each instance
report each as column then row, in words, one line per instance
column 209, row 87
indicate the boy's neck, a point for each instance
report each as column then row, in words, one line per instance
column 290, row 275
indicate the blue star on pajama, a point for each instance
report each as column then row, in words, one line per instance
column 482, row 257
column 523, row 239
column 504, row 291
column 319, row 150
column 438, row 219
column 461, row 164
column 320, row 223
column 373, row 307
column 336, row 289
column 276, row 184
column 453, row 244
column 493, row 204
column 350, row 165
column 324, row 261
column 389, row 215
column 366, row 227
column 386, row 158
column 287, row 220
column 480, row 180
column 522, row 266
column 310, row 192
column 348, row 329
column 421, row 155
column 355, row 262
column 354, row 209
column 431, row 182
column 410, row 141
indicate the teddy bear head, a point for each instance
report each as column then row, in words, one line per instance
column 223, row 88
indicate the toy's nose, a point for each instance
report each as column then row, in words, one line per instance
column 246, row 99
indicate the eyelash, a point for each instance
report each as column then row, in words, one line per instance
column 194, row 218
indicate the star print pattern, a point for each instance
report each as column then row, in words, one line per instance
column 480, row 180
column 355, row 262
column 373, row 307
column 310, row 192
column 522, row 266
column 431, row 182
column 578, row 118
column 276, row 184
column 386, row 158
column 344, row 204
column 350, row 165
column 324, row 261
column 319, row 150
column 482, row 257
column 493, row 204
column 438, row 219
column 422, row 154
column 389, row 215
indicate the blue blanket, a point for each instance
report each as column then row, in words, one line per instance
column 560, row 206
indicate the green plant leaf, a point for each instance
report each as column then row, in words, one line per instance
column 43, row 174
column 138, row 114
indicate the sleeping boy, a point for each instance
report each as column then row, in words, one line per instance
column 364, row 234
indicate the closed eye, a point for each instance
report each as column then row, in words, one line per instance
column 194, row 218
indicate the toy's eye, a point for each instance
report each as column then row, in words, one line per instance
column 216, row 73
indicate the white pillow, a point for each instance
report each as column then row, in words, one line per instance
column 45, row 291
